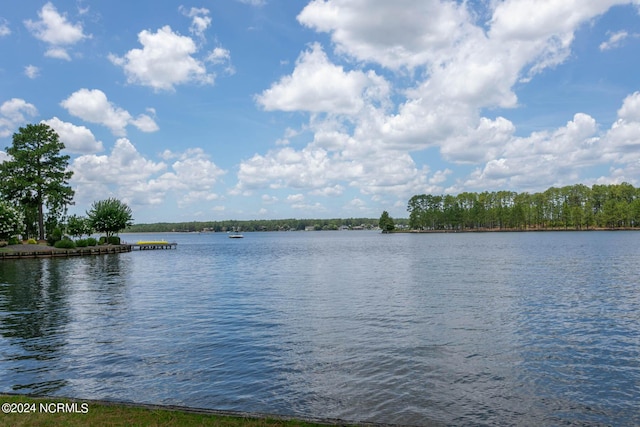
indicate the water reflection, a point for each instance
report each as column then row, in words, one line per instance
column 33, row 315
column 41, row 312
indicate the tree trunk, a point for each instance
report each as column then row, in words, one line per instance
column 40, row 222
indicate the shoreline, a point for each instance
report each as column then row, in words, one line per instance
column 23, row 251
column 83, row 408
column 515, row 230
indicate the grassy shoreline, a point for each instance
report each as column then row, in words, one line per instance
column 27, row 410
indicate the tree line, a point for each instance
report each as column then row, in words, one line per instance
column 579, row 207
column 290, row 224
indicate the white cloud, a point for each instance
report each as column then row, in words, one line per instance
column 295, row 198
column 615, row 40
column 544, row 158
column 219, row 56
column 56, row 31
column 124, row 172
column 317, row 85
column 77, row 139
column 12, row 115
column 458, row 69
column 357, row 204
column 402, row 33
column 268, row 199
column 141, row 181
column 94, row 107
column 200, row 19
column 164, row 61
column 254, row 2
column 623, row 139
column 4, row 28
column 31, row 71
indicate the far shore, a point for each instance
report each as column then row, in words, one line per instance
column 512, row 230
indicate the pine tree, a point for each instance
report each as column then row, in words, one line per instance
column 35, row 176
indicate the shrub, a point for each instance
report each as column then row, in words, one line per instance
column 54, row 236
column 14, row 241
column 31, row 242
column 82, row 243
column 102, row 241
column 11, row 221
column 114, row 240
column 91, row 241
column 64, row 244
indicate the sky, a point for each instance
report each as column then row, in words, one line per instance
column 267, row 109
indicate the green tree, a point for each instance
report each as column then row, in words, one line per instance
column 386, row 222
column 78, row 226
column 35, row 176
column 110, row 216
column 11, row 221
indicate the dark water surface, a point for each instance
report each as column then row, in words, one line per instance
column 467, row 329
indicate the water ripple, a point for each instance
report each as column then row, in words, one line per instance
column 465, row 329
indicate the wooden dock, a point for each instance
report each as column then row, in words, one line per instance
column 145, row 246
column 65, row 253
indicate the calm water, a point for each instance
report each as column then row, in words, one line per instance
column 466, row 329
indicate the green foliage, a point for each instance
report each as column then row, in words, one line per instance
column 260, row 225
column 110, row 216
column 54, row 236
column 11, row 221
column 386, row 223
column 14, row 241
column 570, row 207
column 78, row 226
column 114, row 240
column 91, row 241
column 82, row 243
column 32, row 242
column 65, row 244
column 103, row 240
column 35, row 176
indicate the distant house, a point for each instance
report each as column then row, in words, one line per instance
column 309, row 228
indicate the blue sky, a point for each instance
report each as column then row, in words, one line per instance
column 252, row 109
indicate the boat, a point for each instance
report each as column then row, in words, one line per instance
column 235, row 234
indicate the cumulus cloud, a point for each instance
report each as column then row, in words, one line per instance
column 365, row 130
column 94, row 107
column 317, row 85
column 124, row 171
column 397, row 34
column 14, row 113
column 55, row 30
column 165, row 60
column 142, row 181
column 623, row 139
column 77, row 139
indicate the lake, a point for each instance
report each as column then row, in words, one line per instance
column 462, row 328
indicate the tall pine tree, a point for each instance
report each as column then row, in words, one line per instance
column 35, row 176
